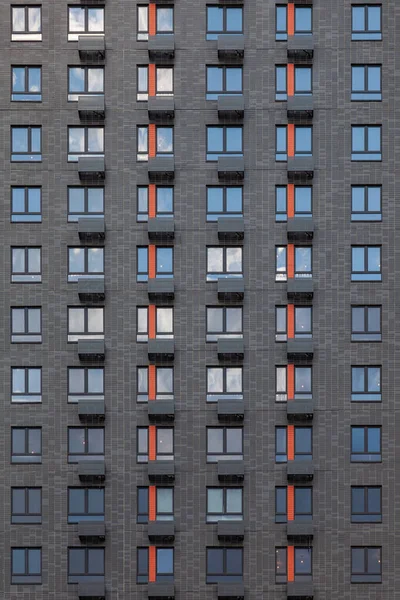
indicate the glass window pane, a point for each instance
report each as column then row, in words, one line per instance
column 142, row 380
column 165, row 560
column 18, row 381
column 18, row 17
column 302, row 199
column 215, row 79
column 20, row 139
column 358, row 79
column 164, row 318
column 280, row 440
column 34, row 501
column 165, row 20
column 234, row 139
column 76, row 139
column 234, row 561
column 34, row 320
column 95, row 19
column 374, row 139
column 18, row 561
column 234, row 199
column 95, row 381
column 18, row 79
column 374, row 259
column 95, row 501
column 165, row 139
column 234, row 501
column 143, row 13
column 215, row 441
column 303, row 439
column 142, row 139
column 303, row 379
column 215, row 18
column 234, row 439
column 76, row 381
column 234, row 79
column 34, row 381
column 18, row 441
column 215, row 500
column 165, row 380
column 142, row 260
column 76, row 440
column 374, row 379
column 234, row 19
column 76, row 18
column 302, row 560
column 357, row 500
column 234, row 260
column 96, row 441
column 215, row 199
column 234, row 380
column 357, row 439
column 34, row 561
column 165, row 200
column 214, row 320
column 95, row 139
column 357, row 379
column 374, row 199
column 374, row 500
column 374, row 439
column 374, row 560
column 303, row 19
column 76, row 79
column 95, row 320
column 164, row 258
column 142, row 79
column 374, row 319
column 95, row 260
column 76, row 499
column 95, row 80
column 18, row 501
column 303, row 499
column 165, row 441
column 215, row 260
column 143, row 501
column 358, row 199
column 357, row 560
column 96, row 561
column 281, row 79
column 215, row 139
column 233, row 320
column 76, row 561
column 358, row 18
column 35, row 441
column 215, row 380
column 358, row 139
column 142, row 434
column 165, row 502
column 76, row 200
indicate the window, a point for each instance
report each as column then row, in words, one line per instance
column 280, row 505
column 85, row 262
column 280, row 565
column 26, row 384
column 223, row 19
column 164, row 444
column 85, row 141
column 280, row 263
column 161, row 80
column 26, row 565
column 303, row 511
column 85, row 564
column 142, row 505
column 302, row 444
column 85, row 443
column 85, row 81
column 225, row 81
column 85, row 202
column 366, row 263
column 366, row 22
column 85, row 383
column 26, row 265
column 366, row 203
column 26, row 205
column 224, row 504
column 366, row 565
column 366, row 142
column 366, row 82
column 302, row 202
column 26, row 324
column 85, row 504
column 224, row 443
column 224, row 202
column 26, row 505
column 164, row 565
column 164, row 504
column 163, row 323
column 224, row 262
column 224, row 383
column 164, row 142
column 302, row 322
column 224, row 322
column 26, row 23
column 164, row 263
column 302, row 21
column 302, row 262
column 26, row 144
column 366, row 444
column 281, row 82
column 366, row 384
column 163, row 201
column 84, row 20
column 164, row 383
column 224, row 565
column 26, row 444
column 366, row 504
column 302, row 564
column 302, row 141
column 164, row 21
column 302, row 81
column 26, row 84
column 85, row 323
column 366, row 324
column 224, row 141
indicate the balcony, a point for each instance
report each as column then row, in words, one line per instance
column 230, row 531
column 300, row 531
column 91, row 289
column 300, row 410
column 231, row 471
column 161, row 591
column 231, row 591
column 91, row 410
column 231, row 290
column 91, row 350
column 161, row 229
column 92, row 471
column 300, row 470
column 161, row 350
column 230, row 167
column 161, row 471
column 299, row 349
column 91, row 107
column 161, row 289
column 161, row 107
column 300, row 167
column 300, row 107
column 300, row 289
column 91, row 591
column 230, row 348
column 230, row 410
column 90, row 229
column 161, row 167
column 300, row 229
column 230, row 46
column 300, row 590
column 161, row 410
column 231, row 107
column 300, row 47
column 161, row 531
column 92, row 47
column 161, row 46
column 91, row 531
column 91, row 167
column 230, row 229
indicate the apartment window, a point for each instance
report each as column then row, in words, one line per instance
column 366, row 142
column 85, row 383
column 302, row 21
column 85, row 564
column 366, row 203
column 26, row 84
column 26, row 265
column 26, row 23
column 26, row 324
column 280, row 263
column 26, row 143
column 85, row 141
column 280, row 505
column 302, row 322
column 164, row 383
column 224, row 504
column 164, row 504
column 85, row 81
column 164, row 444
column 85, row 202
column 302, row 202
column 366, row 263
column 26, row 505
column 142, row 20
column 366, row 384
column 302, row 81
column 366, row 23
column 302, row 262
column 224, row 565
column 84, row 20
column 302, row 564
column 224, row 140
column 224, row 443
column 164, row 263
column 142, row 507
column 302, row 141
column 281, row 82
column 366, row 565
column 26, row 205
column 280, row 323
column 224, row 383
column 26, row 384
column 366, row 504
column 223, row 81
column 224, row 19
column 164, row 81
column 26, row 444
column 366, row 324
column 224, row 201
column 280, row 384
column 302, row 444
column 302, row 382
column 164, row 565
column 164, row 21
column 224, row 262
column 164, row 323
column 85, row 504
column 26, row 566
column 164, row 142
column 85, row 443
column 303, row 510
column 280, row 565
column 366, row 82
column 366, row 444
column 85, row 262
column 85, row 322
column 164, row 202
column 224, row 322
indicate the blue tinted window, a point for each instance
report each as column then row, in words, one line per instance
column 366, row 142
column 366, row 82
column 366, row 203
column 224, row 140
column 366, row 22
column 281, row 23
column 223, row 20
column 224, row 201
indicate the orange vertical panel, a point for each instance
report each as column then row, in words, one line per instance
column 152, row 261
column 152, row 140
column 290, row 442
column 290, row 502
column 290, row 382
column 290, row 321
column 152, row 322
column 290, row 79
column 152, row 442
column 152, row 79
column 152, row 503
column 290, row 139
column 152, row 559
column 290, row 19
column 290, row 261
column 152, row 19
column 290, row 200
column 152, row 200
column 152, row 382
column 290, row 563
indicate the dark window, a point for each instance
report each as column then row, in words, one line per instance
column 164, row 263
column 85, row 81
column 366, row 22
column 85, row 262
column 26, row 444
column 164, row 504
column 366, row 324
column 164, row 323
column 26, row 324
column 164, row 383
column 366, row 263
column 366, row 504
column 26, row 23
column 224, row 322
column 26, row 384
column 85, row 202
column 366, row 82
column 85, row 382
column 85, row 443
column 280, row 505
column 161, row 206
column 366, row 384
column 224, row 382
column 142, row 567
column 303, row 443
column 224, row 443
column 26, row 84
column 225, row 81
column 26, row 205
column 366, row 203
column 366, row 444
column 164, row 444
column 26, row 144
column 303, row 564
column 85, row 564
column 85, row 504
column 85, row 20
column 226, row 140
column 224, row 262
column 280, row 444
column 85, row 141
column 303, row 509
column 366, row 142
column 26, row 566
column 26, row 264
column 224, row 504
column 280, row 565
column 280, row 323
column 85, row 322
column 142, row 505
column 366, row 565
column 26, row 505
column 224, row 202
column 164, row 565
column 302, row 21
column 224, row 565
column 302, row 382
column 224, row 19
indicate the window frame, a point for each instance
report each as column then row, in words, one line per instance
column 142, row 329
column 26, row 337
column 142, row 454
column 26, row 396
column 366, row 154
column 26, row 276
column 365, row 515
column 74, row 276
column 366, row 576
column 366, row 274
column 77, row 517
column 213, row 94
column 366, row 335
column 366, row 395
column 73, row 337
column 366, row 456
column 143, row 215
column 214, row 336
column 27, row 35
column 212, row 34
column 27, row 456
column 212, row 156
column 74, row 156
column 74, row 96
column 28, row 516
column 28, row 155
column 86, row 575
column 26, row 577
column 35, row 96
column 143, row 576
column 142, row 397
column 74, row 397
column 27, row 216
column 74, row 457
column 366, row 95
column 225, row 273
column 213, row 457
column 224, row 577
column 366, row 214
column 225, row 394
column 74, row 35
column 213, row 216
column 74, row 216
column 361, row 35
column 214, row 517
